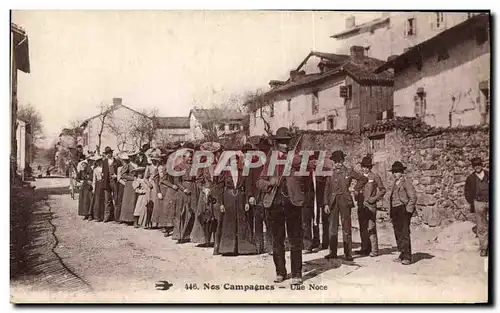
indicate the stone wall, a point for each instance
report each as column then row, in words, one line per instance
column 438, row 162
column 438, row 166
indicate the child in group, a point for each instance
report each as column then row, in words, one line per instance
column 140, row 188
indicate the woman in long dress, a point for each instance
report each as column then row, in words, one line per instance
column 205, row 223
column 85, row 197
column 168, row 192
column 237, row 230
column 98, row 187
column 187, row 184
column 129, row 195
column 141, row 189
column 150, row 176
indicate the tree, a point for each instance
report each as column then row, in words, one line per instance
column 30, row 115
column 106, row 112
column 257, row 100
column 143, row 127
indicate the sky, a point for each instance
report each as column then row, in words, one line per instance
column 167, row 60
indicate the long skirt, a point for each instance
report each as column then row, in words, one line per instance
column 145, row 216
column 128, row 203
column 187, row 212
column 99, row 202
column 178, row 206
column 140, row 205
column 84, row 199
column 157, row 207
column 236, row 232
column 198, row 233
column 120, row 189
column 167, row 206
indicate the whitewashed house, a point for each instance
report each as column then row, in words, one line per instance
column 172, row 129
column 222, row 121
column 445, row 80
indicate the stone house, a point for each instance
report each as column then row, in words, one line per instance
column 445, row 80
column 217, row 122
column 19, row 61
column 118, row 125
column 325, row 92
column 395, row 32
column 171, row 129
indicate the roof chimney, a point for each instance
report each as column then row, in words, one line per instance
column 357, row 52
column 117, row 101
column 350, row 22
column 293, row 75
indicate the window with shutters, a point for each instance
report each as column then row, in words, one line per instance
column 271, row 111
column 346, row 92
column 330, row 122
column 420, row 105
column 234, row 126
column 410, row 29
column 437, row 21
column 289, row 104
column 314, row 102
column 377, row 143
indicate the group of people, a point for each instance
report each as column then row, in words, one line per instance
column 230, row 211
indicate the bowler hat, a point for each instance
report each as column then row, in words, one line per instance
column 188, row 145
column 397, row 167
column 338, row 156
column 108, row 150
column 366, row 162
column 145, row 147
column 282, row 134
column 476, row 161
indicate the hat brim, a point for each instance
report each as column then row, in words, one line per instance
column 398, row 169
column 282, row 138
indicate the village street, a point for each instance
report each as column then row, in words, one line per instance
column 117, row 263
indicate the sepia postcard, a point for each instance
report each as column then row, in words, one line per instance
column 250, row 156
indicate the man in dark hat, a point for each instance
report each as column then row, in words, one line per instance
column 373, row 191
column 109, row 175
column 476, row 191
column 338, row 201
column 284, row 198
column 402, row 201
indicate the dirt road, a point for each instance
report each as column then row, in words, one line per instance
column 117, row 263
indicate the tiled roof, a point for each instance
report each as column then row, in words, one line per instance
column 449, row 37
column 360, row 70
column 170, row 122
column 399, row 122
column 207, row 115
column 368, row 26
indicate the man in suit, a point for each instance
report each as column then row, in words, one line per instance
column 109, row 176
column 402, row 200
column 476, row 191
column 373, row 191
column 284, row 201
column 338, row 201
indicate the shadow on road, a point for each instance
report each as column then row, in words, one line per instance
column 318, row 266
column 421, row 256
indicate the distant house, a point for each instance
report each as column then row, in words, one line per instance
column 118, row 129
column 172, row 129
column 395, row 32
column 445, row 80
column 326, row 92
column 219, row 122
column 19, row 51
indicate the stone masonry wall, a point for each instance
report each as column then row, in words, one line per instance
column 438, row 166
column 437, row 162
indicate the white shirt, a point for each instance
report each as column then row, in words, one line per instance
column 480, row 175
column 110, row 161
